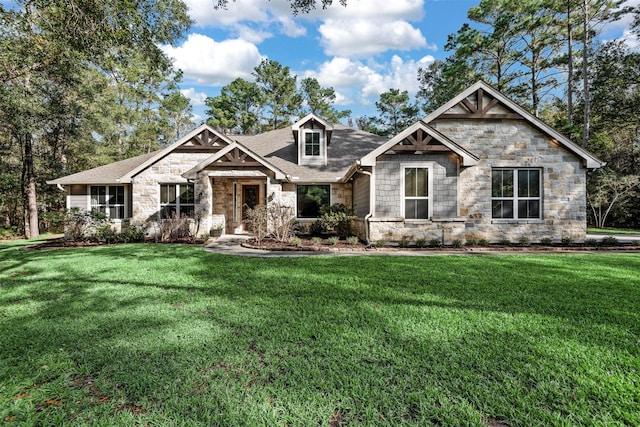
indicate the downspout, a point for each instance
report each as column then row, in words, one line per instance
column 371, row 201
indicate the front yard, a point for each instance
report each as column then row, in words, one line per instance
column 171, row 335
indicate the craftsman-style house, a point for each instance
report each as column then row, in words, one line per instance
column 480, row 166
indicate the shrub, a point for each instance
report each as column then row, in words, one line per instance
column 404, row 241
column 316, row 240
column 353, row 240
column 421, row 242
column 53, row 221
column 295, row 241
column 566, row 240
column 610, row 241
column 8, row 233
column 333, row 240
column 591, row 242
column 83, row 224
column 134, row 234
column 380, row 243
column 546, row 240
column 175, row 227
column 338, row 218
column 524, row 241
column 435, row 243
column 483, row 242
column 317, row 228
column 106, row 234
column 281, row 220
column 472, row 241
column 256, row 221
column 457, row 243
column 505, row 242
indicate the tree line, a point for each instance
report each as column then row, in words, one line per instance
column 84, row 83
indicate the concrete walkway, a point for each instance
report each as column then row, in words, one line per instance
column 231, row 244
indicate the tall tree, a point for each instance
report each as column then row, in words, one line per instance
column 396, row 112
column 237, row 108
column 279, row 87
column 176, row 112
column 320, row 100
column 47, row 48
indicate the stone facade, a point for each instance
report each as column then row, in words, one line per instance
column 514, row 144
column 462, row 203
column 145, row 189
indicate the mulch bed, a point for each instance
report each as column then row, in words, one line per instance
column 341, row 246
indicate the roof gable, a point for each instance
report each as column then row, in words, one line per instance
column 234, row 155
column 202, row 138
column 482, row 101
column 420, row 137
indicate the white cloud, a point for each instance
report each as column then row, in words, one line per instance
column 197, row 98
column 362, row 38
column 291, row 28
column 204, row 14
column 366, row 81
column 252, row 35
column 373, row 10
column 215, row 63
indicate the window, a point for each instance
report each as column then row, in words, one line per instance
column 108, row 199
column 515, row 193
column 176, row 199
column 312, row 143
column 416, row 193
column 311, row 198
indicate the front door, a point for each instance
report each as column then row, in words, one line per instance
column 250, row 197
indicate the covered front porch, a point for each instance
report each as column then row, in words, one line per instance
column 231, row 182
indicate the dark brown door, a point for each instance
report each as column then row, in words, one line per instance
column 250, row 196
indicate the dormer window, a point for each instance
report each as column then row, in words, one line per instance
column 312, row 143
column 312, row 136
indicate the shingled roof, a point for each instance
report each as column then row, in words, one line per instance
column 107, row 174
column 346, row 146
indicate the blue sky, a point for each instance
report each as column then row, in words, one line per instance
column 361, row 50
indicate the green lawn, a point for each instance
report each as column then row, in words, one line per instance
column 171, row 335
column 612, row 231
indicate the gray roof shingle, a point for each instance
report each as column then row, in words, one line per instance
column 346, row 146
column 107, row 174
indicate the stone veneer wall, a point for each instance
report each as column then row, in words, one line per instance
column 168, row 170
column 508, row 143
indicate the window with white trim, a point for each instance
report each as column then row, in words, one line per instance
column 415, row 200
column 516, row 194
column 312, row 141
column 176, row 200
column 108, row 199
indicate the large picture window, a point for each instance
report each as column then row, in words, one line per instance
column 176, row 200
column 108, row 199
column 311, row 198
column 516, row 194
column 416, row 193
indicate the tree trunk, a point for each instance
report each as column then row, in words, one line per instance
column 585, row 74
column 570, row 66
column 31, row 228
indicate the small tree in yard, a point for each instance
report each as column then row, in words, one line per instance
column 606, row 190
column 274, row 218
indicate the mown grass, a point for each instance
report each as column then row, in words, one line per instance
column 171, row 335
column 612, row 231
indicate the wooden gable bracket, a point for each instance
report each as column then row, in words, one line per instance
column 419, row 141
column 236, row 157
column 206, row 139
column 481, row 111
